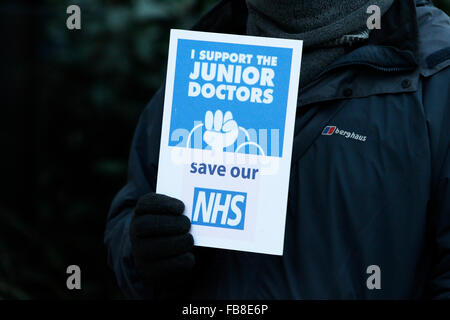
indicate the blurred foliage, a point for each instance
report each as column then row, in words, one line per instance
column 92, row 85
column 89, row 89
column 443, row 4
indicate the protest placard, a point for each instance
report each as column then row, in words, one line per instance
column 227, row 133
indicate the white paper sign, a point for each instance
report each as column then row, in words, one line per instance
column 227, row 133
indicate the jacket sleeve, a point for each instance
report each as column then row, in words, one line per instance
column 437, row 102
column 142, row 173
column 441, row 278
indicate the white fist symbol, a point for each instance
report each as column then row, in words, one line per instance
column 221, row 131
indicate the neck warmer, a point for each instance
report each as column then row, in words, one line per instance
column 328, row 28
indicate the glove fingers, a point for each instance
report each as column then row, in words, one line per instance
column 168, row 268
column 155, row 203
column 153, row 249
column 159, row 225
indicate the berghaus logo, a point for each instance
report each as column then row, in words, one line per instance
column 330, row 130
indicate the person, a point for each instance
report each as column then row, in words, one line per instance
column 369, row 194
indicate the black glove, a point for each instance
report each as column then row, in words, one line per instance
column 160, row 240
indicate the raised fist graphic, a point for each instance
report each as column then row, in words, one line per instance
column 221, row 131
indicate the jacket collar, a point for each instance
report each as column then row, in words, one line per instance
column 390, row 56
column 387, row 64
column 399, row 31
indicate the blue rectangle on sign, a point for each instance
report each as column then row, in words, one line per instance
column 219, row 208
column 227, row 103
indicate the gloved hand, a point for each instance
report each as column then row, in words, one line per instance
column 160, row 240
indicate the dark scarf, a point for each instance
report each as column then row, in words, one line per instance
column 328, row 28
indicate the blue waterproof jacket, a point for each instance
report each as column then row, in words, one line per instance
column 384, row 201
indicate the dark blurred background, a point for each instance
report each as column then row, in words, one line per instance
column 71, row 100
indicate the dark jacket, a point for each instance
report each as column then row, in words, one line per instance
column 384, row 201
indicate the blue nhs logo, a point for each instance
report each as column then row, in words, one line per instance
column 219, row 208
